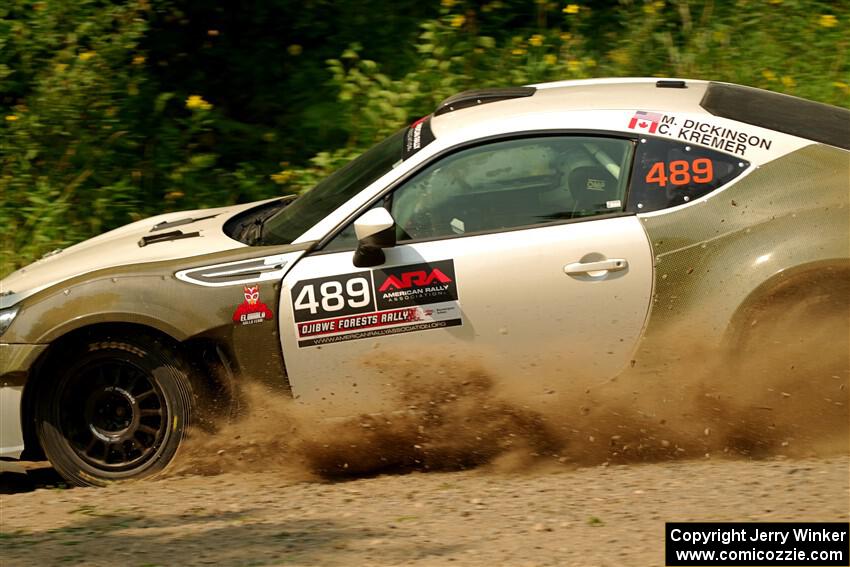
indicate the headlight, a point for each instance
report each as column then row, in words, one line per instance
column 6, row 318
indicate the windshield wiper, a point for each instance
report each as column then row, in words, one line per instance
column 251, row 231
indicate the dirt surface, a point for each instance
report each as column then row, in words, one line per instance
column 610, row 515
column 466, row 468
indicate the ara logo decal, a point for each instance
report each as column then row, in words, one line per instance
column 252, row 310
column 417, row 284
column 418, row 278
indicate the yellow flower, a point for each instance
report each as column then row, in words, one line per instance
column 769, row 75
column 282, row 177
column 573, row 65
column 841, row 85
column 60, row 67
column 457, row 20
column 828, row 21
column 776, row 1
column 788, row 81
column 620, row 57
column 138, row 60
column 519, row 51
column 536, row 40
column 197, row 102
column 571, row 9
column 550, row 59
column 447, row 3
column 86, row 55
column 294, row 50
column 566, row 36
column 11, row 118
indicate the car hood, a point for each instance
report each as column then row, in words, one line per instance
column 122, row 247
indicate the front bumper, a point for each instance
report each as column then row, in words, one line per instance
column 15, row 363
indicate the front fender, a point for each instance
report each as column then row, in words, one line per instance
column 175, row 308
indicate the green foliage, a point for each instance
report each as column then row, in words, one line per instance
column 113, row 111
column 72, row 87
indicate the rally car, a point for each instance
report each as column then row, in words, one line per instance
column 559, row 225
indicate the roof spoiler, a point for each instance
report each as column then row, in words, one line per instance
column 477, row 97
column 815, row 121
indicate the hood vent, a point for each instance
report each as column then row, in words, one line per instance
column 166, row 237
column 171, row 224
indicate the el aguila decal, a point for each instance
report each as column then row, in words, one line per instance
column 360, row 305
column 252, row 310
column 695, row 131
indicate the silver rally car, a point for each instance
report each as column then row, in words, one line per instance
column 564, row 225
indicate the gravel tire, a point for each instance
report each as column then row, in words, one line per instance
column 114, row 409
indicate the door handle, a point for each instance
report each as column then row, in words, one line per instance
column 612, row 265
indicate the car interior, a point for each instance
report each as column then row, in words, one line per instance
column 513, row 184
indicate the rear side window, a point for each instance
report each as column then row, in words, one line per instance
column 669, row 173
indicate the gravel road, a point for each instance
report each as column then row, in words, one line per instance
column 585, row 476
column 555, row 515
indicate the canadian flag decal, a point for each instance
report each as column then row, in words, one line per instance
column 645, row 121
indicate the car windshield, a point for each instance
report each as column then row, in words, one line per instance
column 324, row 198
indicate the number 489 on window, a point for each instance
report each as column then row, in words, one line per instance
column 680, row 172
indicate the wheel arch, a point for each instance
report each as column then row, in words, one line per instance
column 208, row 373
column 115, row 320
column 824, row 277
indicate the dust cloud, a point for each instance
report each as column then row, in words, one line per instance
column 786, row 396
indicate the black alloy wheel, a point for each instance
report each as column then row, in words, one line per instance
column 118, row 411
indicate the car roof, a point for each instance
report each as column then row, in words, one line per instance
column 581, row 95
column 778, row 112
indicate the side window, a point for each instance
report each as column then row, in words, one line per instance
column 346, row 239
column 512, row 184
column 669, row 173
column 508, row 184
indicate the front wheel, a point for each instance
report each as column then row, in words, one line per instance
column 114, row 410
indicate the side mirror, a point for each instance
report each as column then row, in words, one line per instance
column 375, row 230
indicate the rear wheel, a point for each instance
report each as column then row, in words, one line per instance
column 114, row 410
column 790, row 358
